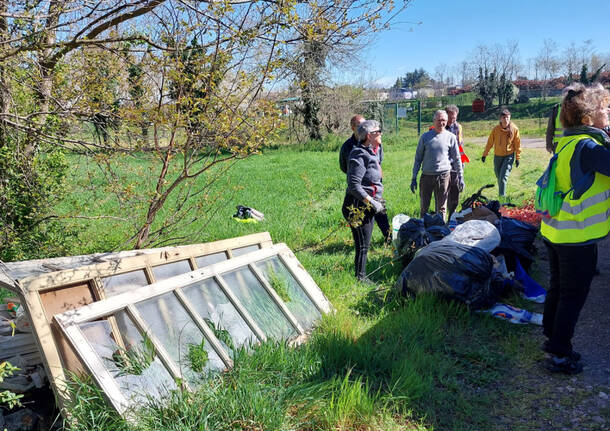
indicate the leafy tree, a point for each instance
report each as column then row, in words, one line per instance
column 587, row 79
column 487, row 86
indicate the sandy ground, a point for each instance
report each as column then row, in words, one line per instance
column 525, row 142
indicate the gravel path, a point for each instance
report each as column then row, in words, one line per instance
column 525, row 142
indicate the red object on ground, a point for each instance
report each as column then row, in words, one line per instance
column 527, row 213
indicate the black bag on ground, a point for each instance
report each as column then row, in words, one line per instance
column 412, row 236
column 437, row 233
column 433, row 220
column 517, row 241
column 455, row 270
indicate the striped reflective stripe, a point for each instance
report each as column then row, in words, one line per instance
column 558, row 133
column 585, row 204
column 575, row 224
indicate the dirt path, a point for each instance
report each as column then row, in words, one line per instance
column 525, row 142
column 559, row 402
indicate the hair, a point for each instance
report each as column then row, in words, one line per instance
column 439, row 113
column 579, row 103
column 452, row 108
column 355, row 120
column 365, row 128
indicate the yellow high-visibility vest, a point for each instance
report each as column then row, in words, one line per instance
column 558, row 126
column 582, row 219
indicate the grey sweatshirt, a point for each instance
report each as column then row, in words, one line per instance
column 364, row 173
column 437, row 153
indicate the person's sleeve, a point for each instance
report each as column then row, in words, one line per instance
column 550, row 130
column 355, row 173
column 419, row 156
column 380, row 154
column 454, row 156
column 517, row 144
column 490, row 143
column 595, row 158
column 343, row 158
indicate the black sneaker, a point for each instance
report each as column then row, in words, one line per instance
column 575, row 356
column 567, row 366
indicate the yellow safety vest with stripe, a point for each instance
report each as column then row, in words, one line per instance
column 583, row 219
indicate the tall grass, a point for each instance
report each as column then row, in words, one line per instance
column 380, row 362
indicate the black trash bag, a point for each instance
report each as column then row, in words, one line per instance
column 433, row 220
column 517, row 241
column 494, row 206
column 457, row 271
column 412, row 236
column 438, row 232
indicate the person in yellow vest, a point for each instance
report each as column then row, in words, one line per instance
column 571, row 236
column 506, row 142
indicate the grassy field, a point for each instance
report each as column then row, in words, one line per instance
column 380, row 362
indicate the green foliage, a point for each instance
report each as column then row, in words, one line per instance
column 222, row 334
column 135, row 359
column 197, row 356
column 9, row 398
column 278, row 282
column 31, row 183
column 416, row 79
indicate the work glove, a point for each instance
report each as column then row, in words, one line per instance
column 483, row 159
column 516, row 163
column 413, row 185
column 377, row 206
column 461, row 185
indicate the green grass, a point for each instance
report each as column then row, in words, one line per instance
column 380, row 362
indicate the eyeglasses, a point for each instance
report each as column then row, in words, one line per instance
column 375, row 132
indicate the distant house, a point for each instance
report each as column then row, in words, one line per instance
column 402, row 94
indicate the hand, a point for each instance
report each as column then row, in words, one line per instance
column 413, row 185
column 483, row 159
column 461, row 185
column 516, row 163
column 377, row 206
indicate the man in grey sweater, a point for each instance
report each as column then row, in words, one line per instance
column 437, row 154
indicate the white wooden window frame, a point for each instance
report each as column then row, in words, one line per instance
column 70, row 320
column 31, row 289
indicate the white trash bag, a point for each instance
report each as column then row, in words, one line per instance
column 476, row 233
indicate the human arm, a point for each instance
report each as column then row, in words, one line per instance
column 419, row 157
column 346, row 148
column 490, row 143
column 595, row 158
column 355, row 173
column 517, row 144
column 454, row 156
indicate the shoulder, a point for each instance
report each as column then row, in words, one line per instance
column 348, row 144
column 514, row 126
column 359, row 152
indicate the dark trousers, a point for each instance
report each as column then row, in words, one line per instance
column 384, row 224
column 361, row 223
column 453, row 194
column 572, row 269
column 437, row 184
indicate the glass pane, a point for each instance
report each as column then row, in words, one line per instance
column 243, row 250
column 212, row 305
column 210, row 259
column 180, row 335
column 259, row 304
column 290, row 291
column 137, row 370
column 170, row 270
column 121, row 283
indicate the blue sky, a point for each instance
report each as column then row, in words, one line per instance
column 450, row 31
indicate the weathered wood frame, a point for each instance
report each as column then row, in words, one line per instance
column 69, row 321
column 31, row 289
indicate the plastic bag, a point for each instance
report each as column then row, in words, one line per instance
column 517, row 241
column 437, row 233
column 433, row 220
column 476, row 233
column 455, row 270
column 397, row 221
column 412, row 236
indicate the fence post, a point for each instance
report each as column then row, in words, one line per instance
column 396, row 117
column 418, row 117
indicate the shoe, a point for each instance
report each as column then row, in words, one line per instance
column 566, row 366
column 575, row 356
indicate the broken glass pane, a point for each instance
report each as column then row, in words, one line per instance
column 169, row 270
column 180, row 336
column 210, row 259
column 243, row 250
column 137, row 371
column 213, row 305
column 290, row 291
column 121, row 283
column 259, row 303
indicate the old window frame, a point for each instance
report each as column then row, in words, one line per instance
column 69, row 321
column 31, row 289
